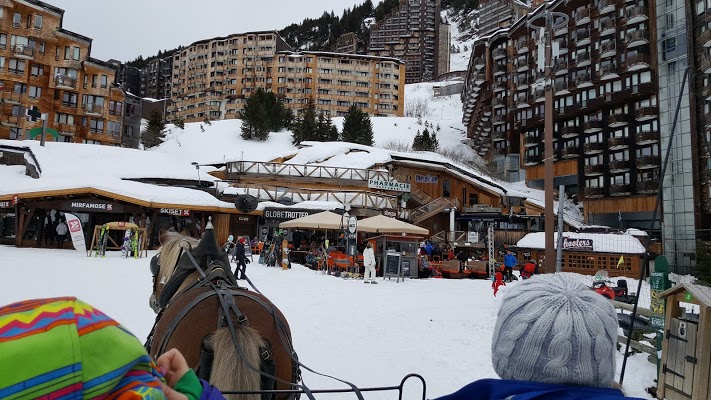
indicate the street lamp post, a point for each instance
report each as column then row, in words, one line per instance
column 197, row 167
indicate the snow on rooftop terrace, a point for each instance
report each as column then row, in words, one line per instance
column 616, row 243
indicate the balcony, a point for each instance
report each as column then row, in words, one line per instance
column 582, row 37
column 65, row 82
column 704, row 38
column 561, row 87
column 582, row 16
column 521, row 100
column 605, row 6
column 498, row 54
column 521, row 64
column 560, row 66
column 608, row 49
column 608, row 26
column 499, row 86
column 646, row 137
column 570, row 152
column 620, row 189
column 568, row 132
column 500, row 69
column 616, row 120
column 479, row 78
column 648, row 162
column 12, row 121
column 531, row 160
column 636, row 38
column 646, row 113
column 530, row 140
column 67, row 129
column 636, row 14
column 594, row 170
column 562, row 30
column 647, row 187
column 498, row 137
column 479, row 63
column 705, row 64
column 12, row 98
column 583, row 80
column 93, row 109
column 638, row 61
column 594, row 192
column 23, row 51
column 498, row 102
column 592, row 126
column 522, row 45
column 592, row 148
column 521, row 84
column 608, row 70
column 582, row 59
column 498, row 119
column 617, row 143
column 619, row 166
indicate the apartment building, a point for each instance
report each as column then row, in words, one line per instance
column 337, row 81
column 410, row 32
column 499, row 14
column 46, row 66
column 606, row 111
column 349, row 43
column 128, row 77
column 444, row 43
column 156, row 78
column 213, row 78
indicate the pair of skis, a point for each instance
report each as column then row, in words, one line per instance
column 101, row 243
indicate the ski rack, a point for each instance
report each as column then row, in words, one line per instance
column 399, row 388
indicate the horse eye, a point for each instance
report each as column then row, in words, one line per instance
column 155, row 264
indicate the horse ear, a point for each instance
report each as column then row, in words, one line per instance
column 208, row 243
column 162, row 235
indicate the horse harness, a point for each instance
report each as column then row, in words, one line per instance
column 224, row 285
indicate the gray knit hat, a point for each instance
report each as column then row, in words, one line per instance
column 553, row 329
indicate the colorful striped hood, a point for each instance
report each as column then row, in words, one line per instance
column 63, row 348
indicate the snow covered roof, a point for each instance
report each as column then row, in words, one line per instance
column 616, row 243
column 105, row 170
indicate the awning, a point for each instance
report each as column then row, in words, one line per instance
column 322, row 220
column 383, row 224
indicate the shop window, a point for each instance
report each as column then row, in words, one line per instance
column 446, row 188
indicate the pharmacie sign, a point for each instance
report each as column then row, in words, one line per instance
column 92, row 206
column 388, row 185
column 175, row 211
column 577, row 244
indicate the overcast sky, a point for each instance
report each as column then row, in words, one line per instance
column 124, row 29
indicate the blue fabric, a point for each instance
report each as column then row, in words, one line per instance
column 429, row 249
column 210, row 392
column 509, row 260
column 497, row 389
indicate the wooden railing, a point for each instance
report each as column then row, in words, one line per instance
column 354, row 198
column 242, row 168
column 432, row 208
column 455, row 236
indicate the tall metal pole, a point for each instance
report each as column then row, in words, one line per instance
column 561, row 210
column 548, row 136
column 44, row 129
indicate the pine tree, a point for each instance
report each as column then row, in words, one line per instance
column 154, row 134
column 425, row 141
column 179, row 123
column 434, row 142
column 305, row 128
column 263, row 113
column 325, row 130
column 357, row 127
column 438, row 128
column 417, row 141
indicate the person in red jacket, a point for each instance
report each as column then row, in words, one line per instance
column 498, row 282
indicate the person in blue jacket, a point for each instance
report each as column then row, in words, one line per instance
column 510, row 262
column 554, row 339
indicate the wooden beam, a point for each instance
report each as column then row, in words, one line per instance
column 26, row 223
column 703, row 355
column 645, row 348
column 628, row 307
column 672, row 310
column 20, row 222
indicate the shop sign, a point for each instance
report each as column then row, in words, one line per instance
column 658, row 282
column 426, row 179
column 5, row 204
column 388, row 185
column 277, row 215
column 390, row 212
column 175, row 211
column 92, row 206
column 244, row 219
column 577, row 244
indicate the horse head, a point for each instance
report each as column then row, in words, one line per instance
column 180, row 256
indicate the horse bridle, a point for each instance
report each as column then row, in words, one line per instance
column 229, row 306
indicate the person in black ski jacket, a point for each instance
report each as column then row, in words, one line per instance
column 241, row 259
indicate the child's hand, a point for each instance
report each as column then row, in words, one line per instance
column 173, row 366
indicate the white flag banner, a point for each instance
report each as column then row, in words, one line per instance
column 76, row 232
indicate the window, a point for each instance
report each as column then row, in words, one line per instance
column 446, row 188
column 3, row 41
column 67, row 52
column 77, row 53
column 35, row 92
column 38, row 22
column 65, row 119
column 104, row 81
column 69, row 99
column 115, row 107
column 94, row 79
column 2, row 63
column 669, row 21
column 17, row 66
column 128, row 131
column 96, row 125
column 37, row 70
column 16, row 20
column 15, row 133
column 114, row 128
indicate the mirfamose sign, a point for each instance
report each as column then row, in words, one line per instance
column 577, row 244
column 388, row 185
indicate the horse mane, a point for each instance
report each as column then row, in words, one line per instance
column 170, row 252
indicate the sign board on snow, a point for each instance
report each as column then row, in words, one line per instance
column 426, row 178
column 577, row 244
column 394, row 186
column 175, row 211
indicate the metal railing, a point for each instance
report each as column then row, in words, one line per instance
column 432, row 208
column 305, row 171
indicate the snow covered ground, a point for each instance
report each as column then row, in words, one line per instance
column 371, row 335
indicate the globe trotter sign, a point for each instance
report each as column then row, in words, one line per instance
column 388, row 185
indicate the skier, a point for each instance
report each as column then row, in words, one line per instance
column 241, row 259
column 509, row 264
column 498, row 282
